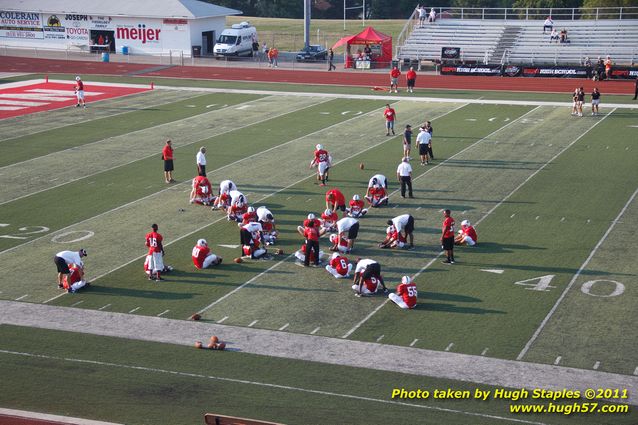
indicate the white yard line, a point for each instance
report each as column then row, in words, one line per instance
column 571, row 283
column 315, row 330
column 57, row 419
column 134, row 310
column 284, row 327
column 264, row 384
column 449, row 347
column 222, row 320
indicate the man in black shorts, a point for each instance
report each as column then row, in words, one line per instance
column 64, row 259
column 367, row 269
column 447, row 237
column 404, row 223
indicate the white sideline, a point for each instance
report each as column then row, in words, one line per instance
column 297, row 182
column 168, row 188
column 571, row 282
column 67, row 420
column 257, row 383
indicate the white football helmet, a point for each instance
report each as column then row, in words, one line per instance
column 251, row 209
column 311, row 216
column 77, row 78
column 328, row 212
column 319, row 146
column 334, row 255
column 465, row 223
column 406, row 279
column 356, row 197
column 202, row 242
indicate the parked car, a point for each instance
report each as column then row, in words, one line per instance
column 312, row 53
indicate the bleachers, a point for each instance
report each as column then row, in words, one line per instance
column 523, row 42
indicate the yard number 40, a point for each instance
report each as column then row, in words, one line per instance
column 542, row 283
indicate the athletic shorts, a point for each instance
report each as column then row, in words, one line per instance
column 394, row 81
column 423, row 148
column 411, row 83
column 409, row 227
column 341, row 207
column 80, row 94
column 168, row 165
column 448, row 243
column 373, row 269
column 353, row 231
column 323, row 167
column 63, row 267
column 595, row 102
column 389, row 124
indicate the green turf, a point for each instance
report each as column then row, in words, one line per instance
column 141, row 117
column 135, row 382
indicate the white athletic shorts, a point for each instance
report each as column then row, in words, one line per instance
column 323, row 167
column 210, row 259
column 157, row 262
column 80, row 94
column 397, row 300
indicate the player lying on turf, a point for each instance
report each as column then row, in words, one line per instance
column 329, row 221
column 393, row 238
column 356, row 209
column 377, row 196
column 367, row 278
column 269, row 229
column 202, row 192
column 202, row 257
column 301, row 254
column 74, row 281
column 339, row 266
column 321, row 160
column 467, row 235
column 251, row 241
column 406, row 294
column 224, row 189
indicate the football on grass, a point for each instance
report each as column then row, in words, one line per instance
column 238, row 260
column 196, row 317
column 198, row 344
column 362, row 166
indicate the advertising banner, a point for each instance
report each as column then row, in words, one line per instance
column 624, row 72
column 450, row 53
column 492, row 70
column 53, row 27
column 554, row 71
column 21, row 25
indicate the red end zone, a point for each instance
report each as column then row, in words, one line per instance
column 29, row 97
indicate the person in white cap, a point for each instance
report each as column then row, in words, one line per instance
column 339, row 266
column 202, row 257
column 322, row 162
column 79, row 92
column 406, row 294
column 467, row 234
column 64, row 259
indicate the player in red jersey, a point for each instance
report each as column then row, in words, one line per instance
column 156, row 252
column 79, row 92
column 202, row 191
column 269, row 229
column 390, row 116
column 447, row 237
column 250, row 236
column 316, row 222
column 394, row 80
column 329, row 221
column 335, row 201
column 322, row 162
column 339, row 266
column 202, row 257
column 238, row 206
column 377, row 196
column 339, row 244
column 467, row 235
column 367, row 278
column 393, row 238
column 356, row 209
column 74, row 281
column 406, row 294
column 248, row 217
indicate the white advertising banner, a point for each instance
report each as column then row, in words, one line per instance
column 21, row 25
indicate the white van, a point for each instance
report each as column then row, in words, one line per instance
column 236, row 40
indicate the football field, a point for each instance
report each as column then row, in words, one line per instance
column 553, row 279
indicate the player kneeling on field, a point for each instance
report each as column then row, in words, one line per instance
column 467, row 234
column 238, row 206
column 306, row 223
column 269, row 231
column 329, row 221
column 393, row 238
column 367, row 278
column 202, row 257
column 356, row 209
column 74, row 281
column 339, row 266
column 339, row 244
column 377, row 197
column 251, row 241
column 405, row 296
column 202, row 191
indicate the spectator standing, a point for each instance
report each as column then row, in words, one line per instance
column 432, row 17
column 107, row 43
column 447, row 237
column 367, row 51
column 255, row 49
column 404, row 175
column 200, row 159
column 600, row 69
column 608, row 64
column 100, row 42
column 64, row 259
column 411, row 77
column 548, row 25
column 394, row 79
column 390, row 116
column 331, row 57
column 636, row 89
column 588, row 67
column 595, row 101
column 423, row 14
column 407, row 141
column 273, row 53
column 167, row 156
column 264, row 50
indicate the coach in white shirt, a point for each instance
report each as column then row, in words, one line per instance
column 64, row 259
column 201, row 161
column 404, row 175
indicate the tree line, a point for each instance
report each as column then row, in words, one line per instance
column 393, row 9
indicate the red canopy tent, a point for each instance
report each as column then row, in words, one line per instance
column 381, row 45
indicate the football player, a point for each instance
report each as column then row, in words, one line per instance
column 224, row 189
column 202, row 257
column 248, row 217
column 301, row 254
column 406, row 294
column 156, row 252
column 348, row 229
column 377, row 180
column 238, row 206
column 393, row 238
column 79, row 92
column 404, row 223
column 339, row 266
column 377, row 196
column 269, row 229
column 367, row 278
column 356, row 209
column 467, row 235
column 329, row 221
column 311, row 218
column 250, row 237
column 321, row 160
column 74, row 281
column 335, row 201
column 202, row 192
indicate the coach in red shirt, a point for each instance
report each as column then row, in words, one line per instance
column 311, row 233
column 411, row 77
column 167, row 156
column 447, row 236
